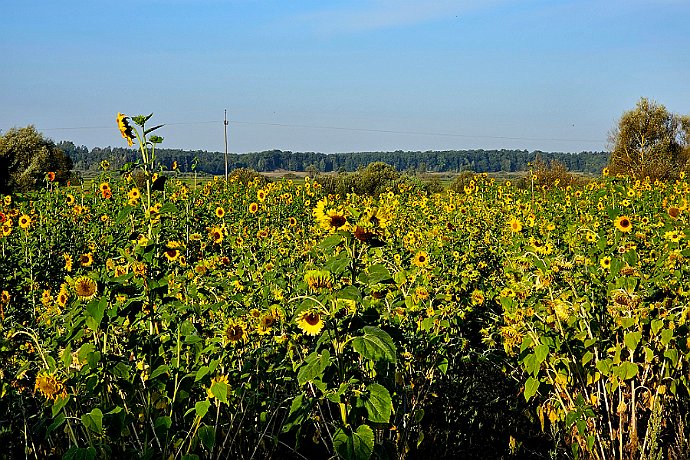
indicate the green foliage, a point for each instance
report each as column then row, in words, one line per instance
column 650, row 141
column 26, row 157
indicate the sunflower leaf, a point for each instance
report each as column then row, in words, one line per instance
column 357, row 445
column 375, row 344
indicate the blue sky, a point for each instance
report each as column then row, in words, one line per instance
column 339, row 76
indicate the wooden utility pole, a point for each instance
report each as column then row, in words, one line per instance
column 225, row 122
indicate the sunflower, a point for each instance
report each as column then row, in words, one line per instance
column 49, row 386
column 318, row 279
column 292, row 221
column 310, row 322
column 172, row 254
column 63, row 296
column 125, row 129
column 421, row 292
column 515, row 225
column 50, row 177
column 68, row 262
column 104, row 186
column 134, row 194
column 24, row 221
column 220, row 212
column 673, row 212
column 623, row 224
column 421, row 259
column 216, row 234
column 477, row 297
column 235, row 331
column 85, row 288
column 674, row 235
column 605, row 262
column 70, row 199
column 4, row 297
column 253, row 208
column 86, row 260
column 261, row 195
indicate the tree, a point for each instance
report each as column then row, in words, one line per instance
column 25, row 159
column 650, row 141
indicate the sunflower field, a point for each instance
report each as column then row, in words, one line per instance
column 272, row 320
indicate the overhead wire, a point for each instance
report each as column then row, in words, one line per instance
column 350, row 129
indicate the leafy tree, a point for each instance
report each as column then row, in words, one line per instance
column 650, row 141
column 25, row 159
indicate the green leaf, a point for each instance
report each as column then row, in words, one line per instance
column 93, row 420
column 631, row 340
column 531, row 387
column 313, row 367
column 152, row 129
column 162, row 369
column 77, row 453
column 202, row 407
column 378, row 273
column 626, row 370
column 541, row 352
column 169, row 208
column 124, row 214
column 207, row 435
column 330, row 242
column 201, row 373
column 657, row 324
column 604, row 366
column 378, row 403
column 375, row 344
column 59, row 404
column 220, row 391
column 95, row 310
column 358, row 445
column 666, row 336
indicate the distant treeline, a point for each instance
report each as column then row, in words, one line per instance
column 272, row 160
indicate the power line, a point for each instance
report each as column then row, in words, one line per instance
column 350, row 129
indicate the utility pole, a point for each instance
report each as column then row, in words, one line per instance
column 225, row 122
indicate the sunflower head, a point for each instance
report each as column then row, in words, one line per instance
column 125, row 128
column 235, row 331
column 310, row 322
column 623, row 224
column 318, row 279
column 50, row 386
column 421, row 259
column 85, row 288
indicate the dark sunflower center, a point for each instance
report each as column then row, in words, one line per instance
column 338, row 221
column 312, row 319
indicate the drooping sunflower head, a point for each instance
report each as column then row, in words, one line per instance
column 623, row 223
column 318, row 279
column 125, row 128
column 85, row 288
column 310, row 322
column 50, row 386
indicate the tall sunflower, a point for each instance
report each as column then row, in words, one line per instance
column 50, row 386
column 125, row 128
